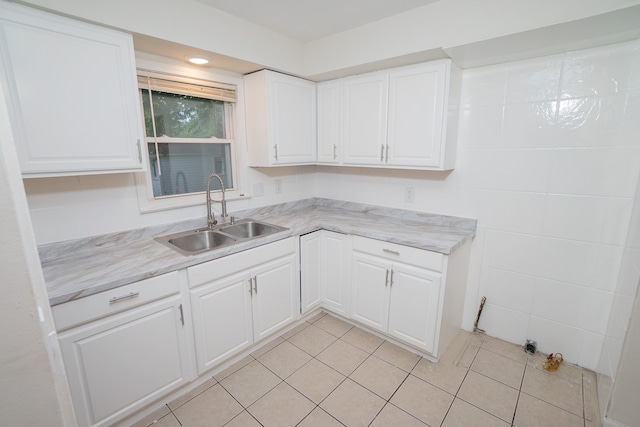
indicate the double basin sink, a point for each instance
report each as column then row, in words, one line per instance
column 193, row 242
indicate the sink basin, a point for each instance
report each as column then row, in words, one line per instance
column 249, row 229
column 193, row 242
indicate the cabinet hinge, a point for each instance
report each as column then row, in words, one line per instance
column 139, row 152
column 181, row 315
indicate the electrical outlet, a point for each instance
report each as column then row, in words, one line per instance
column 278, row 186
column 258, row 189
column 409, row 194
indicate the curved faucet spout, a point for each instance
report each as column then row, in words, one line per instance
column 211, row 221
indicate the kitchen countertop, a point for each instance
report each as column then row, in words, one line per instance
column 79, row 268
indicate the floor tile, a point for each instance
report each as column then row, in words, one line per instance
column 565, row 370
column 315, row 380
column 468, row 356
column 489, row 395
column 295, row 330
column 554, row 390
column 590, row 392
column 422, row 400
column 380, row 377
column 463, row 414
column 532, row 412
column 176, row 403
column 500, row 368
column 319, row 418
column 233, row 368
column 352, row 404
column 154, row 417
column 362, row 339
column 393, row 416
column 333, row 325
column 243, row 419
column 397, row 356
column 214, row 407
column 312, row 340
column 317, row 317
column 441, row 374
column 506, row 349
column 250, row 383
column 284, row 359
column 343, row 357
column 265, row 348
column 281, row 407
column 456, row 347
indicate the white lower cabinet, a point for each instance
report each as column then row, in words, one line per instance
column 325, row 271
column 397, row 290
column 133, row 350
column 240, row 299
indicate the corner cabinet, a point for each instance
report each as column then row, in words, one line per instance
column 281, row 119
column 240, row 299
column 403, row 118
column 73, row 94
column 124, row 348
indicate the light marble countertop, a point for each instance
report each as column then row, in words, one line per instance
column 79, row 268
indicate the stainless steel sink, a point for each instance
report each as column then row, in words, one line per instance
column 193, row 242
column 249, row 229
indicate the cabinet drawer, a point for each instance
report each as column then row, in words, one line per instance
column 223, row 267
column 394, row 252
column 93, row 307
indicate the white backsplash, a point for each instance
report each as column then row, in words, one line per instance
column 548, row 162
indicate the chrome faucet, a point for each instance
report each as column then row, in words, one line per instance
column 211, row 221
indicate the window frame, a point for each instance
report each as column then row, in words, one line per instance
column 234, row 121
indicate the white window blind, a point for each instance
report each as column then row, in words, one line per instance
column 183, row 86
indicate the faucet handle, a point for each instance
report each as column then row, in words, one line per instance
column 233, row 220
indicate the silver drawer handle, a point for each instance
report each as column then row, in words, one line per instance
column 389, row 251
column 124, row 297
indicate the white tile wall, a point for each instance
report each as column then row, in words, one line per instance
column 548, row 161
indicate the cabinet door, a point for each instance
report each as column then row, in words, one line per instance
column 274, row 296
column 292, row 115
column 311, row 271
column 364, row 107
column 370, row 291
column 329, row 150
column 336, row 268
column 74, row 94
column 416, row 115
column 415, row 298
column 118, row 364
column 222, row 320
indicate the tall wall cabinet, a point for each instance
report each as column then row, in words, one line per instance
column 73, row 94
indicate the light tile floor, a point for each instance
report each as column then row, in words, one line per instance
column 326, row 372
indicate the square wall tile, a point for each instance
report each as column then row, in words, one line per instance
column 560, row 302
column 568, row 261
column 534, row 80
column 504, row 323
column 554, row 337
column 513, row 252
column 575, row 217
column 481, row 127
column 507, row 289
column 483, row 86
column 529, row 125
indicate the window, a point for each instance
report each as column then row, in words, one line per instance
column 189, row 135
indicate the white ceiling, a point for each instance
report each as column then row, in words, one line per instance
column 308, row 20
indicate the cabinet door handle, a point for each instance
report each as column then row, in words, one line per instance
column 382, row 153
column 275, row 148
column 251, row 285
column 335, row 155
column 389, row 251
column 391, row 284
column 124, row 297
column 255, row 284
column 139, row 152
column 387, row 154
column 386, row 279
column 181, row 315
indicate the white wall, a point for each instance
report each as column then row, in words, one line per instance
column 548, row 161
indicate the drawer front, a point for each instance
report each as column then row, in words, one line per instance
column 93, row 307
column 226, row 266
column 394, row 252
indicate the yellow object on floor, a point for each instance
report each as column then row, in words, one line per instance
column 553, row 361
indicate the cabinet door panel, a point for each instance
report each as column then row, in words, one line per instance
column 311, row 274
column 222, row 320
column 416, row 99
column 328, row 122
column 370, row 293
column 365, row 119
column 118, row 364
column 336, row 270
column 413, row 313
column 274, row 295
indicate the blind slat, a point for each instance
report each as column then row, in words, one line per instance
column 223, row 92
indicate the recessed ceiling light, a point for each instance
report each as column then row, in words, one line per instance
column 198, row 60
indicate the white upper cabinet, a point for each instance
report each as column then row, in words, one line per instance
column 399, row 118
column 281, row 119
column 73, row 94
column 364, row 115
